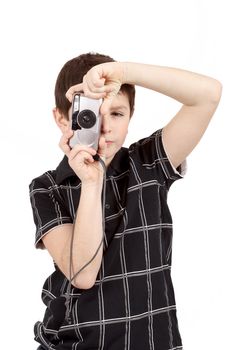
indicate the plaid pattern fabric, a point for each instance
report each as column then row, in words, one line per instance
column 132, row 304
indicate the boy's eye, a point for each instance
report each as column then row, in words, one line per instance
column 117, row 114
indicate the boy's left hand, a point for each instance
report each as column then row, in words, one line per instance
column 101, row 81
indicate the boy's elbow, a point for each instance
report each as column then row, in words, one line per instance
column 85, row 282
column 217, row 92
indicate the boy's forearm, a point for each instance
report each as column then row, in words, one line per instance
column 88, row 233
column 186, row 87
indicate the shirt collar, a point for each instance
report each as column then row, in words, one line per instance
column 119, row 164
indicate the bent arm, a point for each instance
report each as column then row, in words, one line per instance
column 88, row 233
column 184, row 86
column 198, row 93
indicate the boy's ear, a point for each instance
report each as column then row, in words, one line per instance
column 61, row 121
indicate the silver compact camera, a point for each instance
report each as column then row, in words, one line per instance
column 85, row 121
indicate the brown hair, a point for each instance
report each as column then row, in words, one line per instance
column 72, row 73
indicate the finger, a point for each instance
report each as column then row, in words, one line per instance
column 79, row 148
column 65, row 148
column 93, row 81
column 72, row 90
column 82, row 156
column 66, row 136
column 95, row 76
column 63, row 144
column 102, row 147
column 95, row 95
column 91, row 88
column 105, row 106
column 86, row 157
column 102, row 143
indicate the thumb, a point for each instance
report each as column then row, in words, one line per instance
column 102, row 147
column 114, row 87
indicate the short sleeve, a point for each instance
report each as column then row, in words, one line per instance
column 151, row 154
column 47, row 206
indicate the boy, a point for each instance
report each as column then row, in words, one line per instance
column 124, row 298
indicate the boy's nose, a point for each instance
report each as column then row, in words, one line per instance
column 105, row 125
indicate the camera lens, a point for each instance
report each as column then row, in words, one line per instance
column 86, row 119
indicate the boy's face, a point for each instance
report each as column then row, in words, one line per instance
column 115, row 125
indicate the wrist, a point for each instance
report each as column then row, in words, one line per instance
column 123, row 72
column 95, row 187
column 133, row 73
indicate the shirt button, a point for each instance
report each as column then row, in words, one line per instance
column 107, row 206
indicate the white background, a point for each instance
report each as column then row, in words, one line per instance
column 37, row 38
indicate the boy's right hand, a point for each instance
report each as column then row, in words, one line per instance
column 80, row 159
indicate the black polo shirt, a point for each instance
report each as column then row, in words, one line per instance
column 132, row 304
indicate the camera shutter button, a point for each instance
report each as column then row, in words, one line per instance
column 107, row 206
